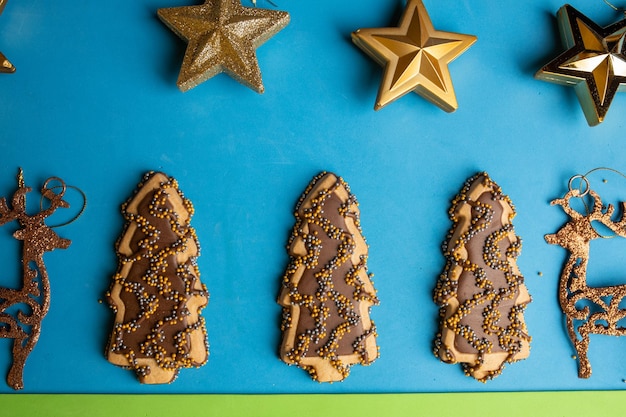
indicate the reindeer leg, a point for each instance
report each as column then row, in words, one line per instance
column 11, row 330
column 22, row 347
column 581, row 346
column 15, row 378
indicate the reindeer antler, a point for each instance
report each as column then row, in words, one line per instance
column 605, row 216
column 18, row 202
column 6, row 214
column 56, row 199
column 565, row 204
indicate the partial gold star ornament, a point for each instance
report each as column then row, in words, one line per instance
column 594, row 64
column 415, row 57
column 222, row 36
column 5, row 64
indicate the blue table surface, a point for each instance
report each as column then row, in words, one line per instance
column 94, row 101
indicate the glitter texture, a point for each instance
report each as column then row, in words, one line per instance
column 34, row 296
column 587, row 309
column 415, row 57
column 222, row 36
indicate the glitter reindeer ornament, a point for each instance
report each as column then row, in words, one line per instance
column 326, row 291
column 37, row 238
column 481, row 292
column 588, row 310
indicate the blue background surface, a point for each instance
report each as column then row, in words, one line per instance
column 94, row 101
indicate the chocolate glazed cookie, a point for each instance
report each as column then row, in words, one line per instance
column 156, row 293
column 481, row 292
column 326, row 291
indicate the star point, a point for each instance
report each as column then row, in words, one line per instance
column 594, row 62
column 415, row 57
column 5, row 65
column 222, row 36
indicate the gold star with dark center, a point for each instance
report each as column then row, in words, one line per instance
column 595, row 63
column 5, row 64
column 415, row 57
column 222, row 36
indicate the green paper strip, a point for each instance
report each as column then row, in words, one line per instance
column 537, row 404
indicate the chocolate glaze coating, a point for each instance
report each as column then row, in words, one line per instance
column 481, row 291
column 327, row 292
column 157, row 294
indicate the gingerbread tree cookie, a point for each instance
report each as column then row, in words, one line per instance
column 326, row 291
column 481, row 292
column 156, row 293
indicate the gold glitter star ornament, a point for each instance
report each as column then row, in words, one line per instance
column 5, row 64
column 594, row 63
column 222, row 36
column 415, row 57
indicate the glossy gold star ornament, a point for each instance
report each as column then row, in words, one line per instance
column 222, row 36
column 5, row 64
column 415, row 57
column 594, row 63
